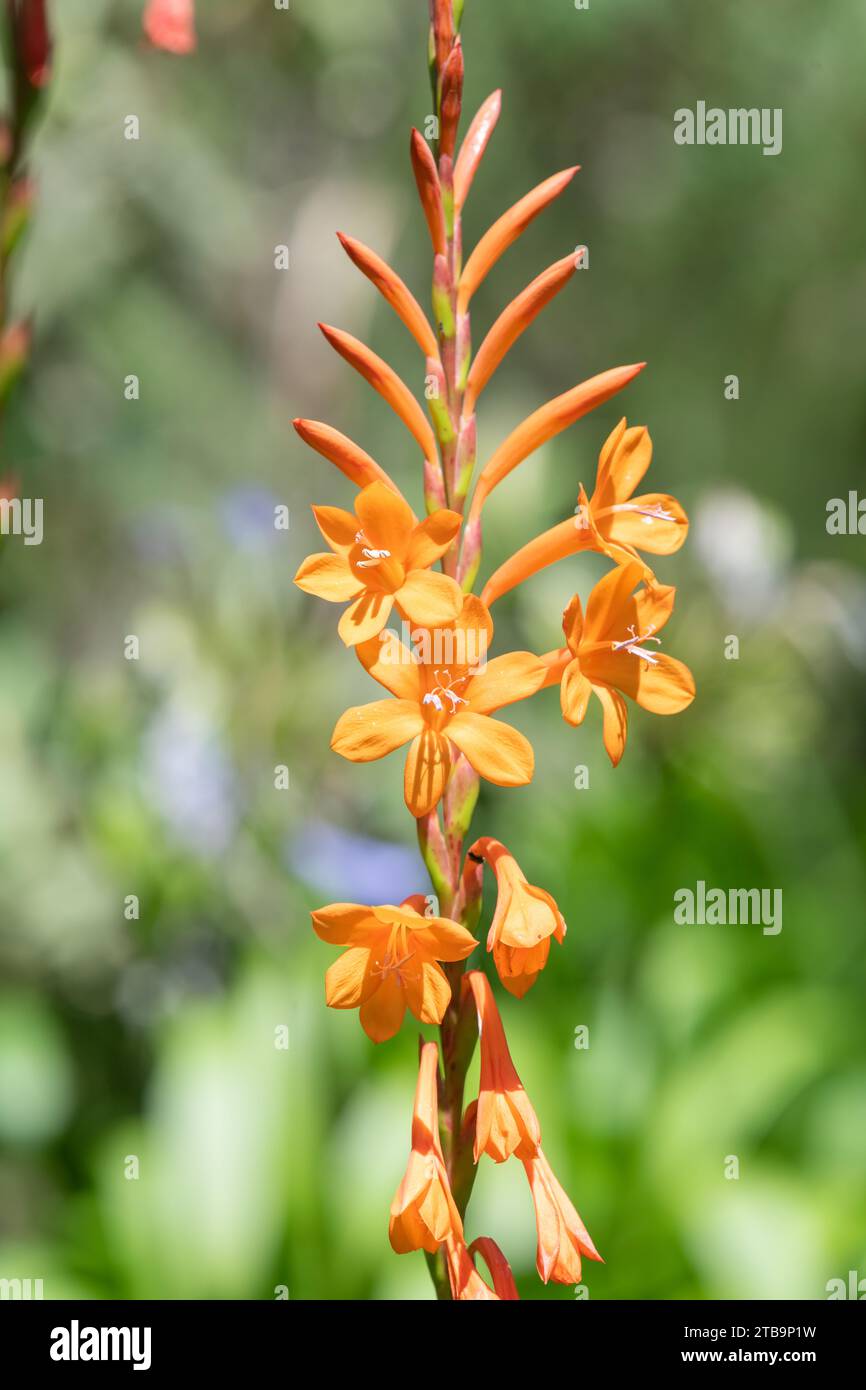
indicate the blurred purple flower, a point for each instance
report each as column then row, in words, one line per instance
column 354, row 868
column 190, row 781
column 247, row 516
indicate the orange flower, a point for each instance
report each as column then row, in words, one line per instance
column 423, row 1212
column 381, row 557
column 170, row 24
column 505, row 1122
column 562, row 1236
column 612, row 522
column 445, row 698
column 391, row 962
column 524, row 921
column 613, row 650
column 503, row 1280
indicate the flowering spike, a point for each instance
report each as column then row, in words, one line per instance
column 506, row 230
column 386, row 381
column 551, row 419
column 392, row 288
column 474, row 145
column 511, row 323
column 429, row 191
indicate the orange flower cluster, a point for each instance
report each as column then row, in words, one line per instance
column 444, row 693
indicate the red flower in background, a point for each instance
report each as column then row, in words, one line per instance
column 170, row 24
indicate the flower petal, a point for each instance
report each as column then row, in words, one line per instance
column 385, row 518
column 431, row 538
column 367, row 732
column 365, row 618
column 344, row 924
column 615, row 724
column 328, row 576
column 654, row 522
column 428, row 992
column 428, row 764
column 574, row 693
column 393, row 665
column 495, row 750
column 444, row 939
column 430, row 600
column 382, row 1014
column 504, row 680
column 338, row 527
column 624, row 459
column 349, row 981
column 665, row 687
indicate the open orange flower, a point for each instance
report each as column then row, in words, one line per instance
column 505, row 1122
column 613, row 652
column 391, row 963
column 524, row 920
column 562, row 1236
column 423, row 1212
column 379, row 558
column 445, row 698
column 612, row 521
column 170, row 24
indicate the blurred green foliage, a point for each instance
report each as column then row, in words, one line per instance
column 154, row 1038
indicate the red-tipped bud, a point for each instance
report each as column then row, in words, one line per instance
column 451, row 101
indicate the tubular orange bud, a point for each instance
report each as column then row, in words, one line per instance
column 452, row 96
column 508, row 228
column 386, row 381
column 503, row 1280
column 344, row 453
column 556, row 544
column 392, row 288
column 466, row 1283
column 170, row 24
column 512, row 322
column 429, row 191
column 551, row 419
column 474, row 145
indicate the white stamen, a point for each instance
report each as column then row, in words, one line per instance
column 632, row 644
column 371, row 557
column 433, row 696
column 654, row 513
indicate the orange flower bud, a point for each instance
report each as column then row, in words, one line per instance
column 562, row 1236
column 525, row 919
column 505, row 1122
column 423, row 1212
